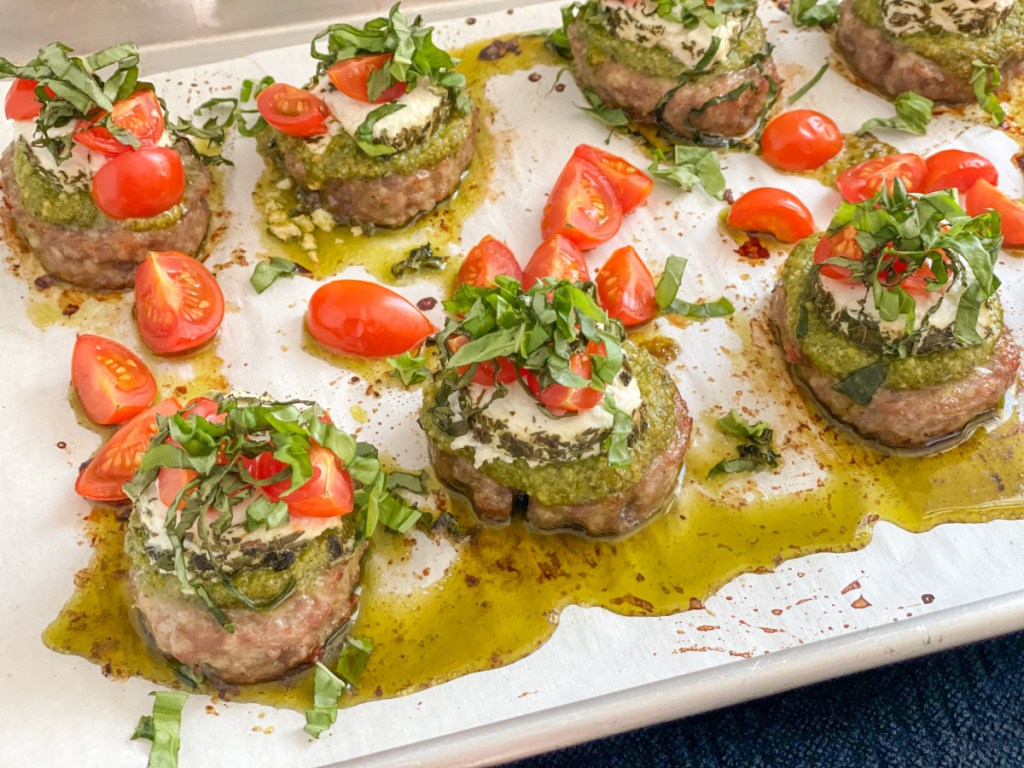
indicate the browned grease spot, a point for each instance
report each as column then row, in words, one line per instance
column 860, row 602
column 499, row 49
column 851, row 586
column 753, row 249
column 927, row 599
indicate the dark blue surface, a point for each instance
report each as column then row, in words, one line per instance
column 962, row 707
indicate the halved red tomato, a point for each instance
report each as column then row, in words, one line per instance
column 356, row 317
column 843, row 244
column 582, row 206
column 115, row 463
column 292, row 110
column 265, row 466
column 328, row 493
column 484, row 375
column 625, row 287
column 485, row 261
column 205, row 407
column 957, row 169
column 178, row 303
column 170, row 481
column 559, row 398
column 21, row 102
column 139, row 183
column 863, row 180
column 111, row 381
column 632, row 186
column 800, row 140
column 982, row 196
column 558, row 256
column 352, row 77
column 139, row 114
column 772, row 210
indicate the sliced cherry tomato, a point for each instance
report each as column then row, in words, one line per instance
column 632, row 186
column 982, row 196
column 486, row 260
column 178, row 303
column 843, row 244
column 140, row 114
column 626, row 287
column 484, row 375
column 292, row 110
column 862, row 181
column 139, row 184
column 328, row 493
column 116, row 462
column 772, row 210
column 21, row 102
column 559, row 257
column 957, row 169
column 559, row 398
column 170, row 481
column 356, row 317
column 582, row 206
column 205, row 407
column 800, row 140
column 264, row 466
column 352, row 77
column 111, row 381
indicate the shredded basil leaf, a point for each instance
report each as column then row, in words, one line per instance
column 812, row 13
column 668, row 287
column 985, row 79
column 670, row 282
column 861, row 385
column 419, row 258
column 266, row 273
column 186, row 674
column 720, row 307
column 364, row 133
column 610, row 116
column 808, row 85
column 327, row 690
column 913, row 114
column 690, row 166
column 352, row 660
column 409, row 368
column 163, row 728
column 756, row 452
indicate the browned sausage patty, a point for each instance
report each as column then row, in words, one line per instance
column 104, row 255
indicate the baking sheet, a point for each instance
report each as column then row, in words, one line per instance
column 599, row 672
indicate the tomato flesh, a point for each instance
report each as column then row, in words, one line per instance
column 292, row 110
column 352, row 77
column 485, row 261
column 178, row 303
column 957, row 169
column 844, row 244
column 559, row 398
column 632, row 186
column 800, row 140
column 21, row 102
column 111, row 382
column 582, row 206
column 140, row 114
column 865, row 179
column 557, row 257
column 264, row 466
column 626, row 288
column 983, row 196
column 170, row 481
column 356, row 317
column 772, row 210
column 485, row 372
column 139, row 184
column 327, row 493
column 116, row 461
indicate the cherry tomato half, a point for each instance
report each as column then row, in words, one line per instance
column 957, row 169
column 328, row 493
column 352, row 77
column 800, row 140
column 982, row 196
column 139, row 114
column 356, row 317
column 21, row 102
column 139, row 183
column 559, row 398
column 582, row 206
column 486, row 260
column 772, row 210
column 111, row 381
column 632, row 186
column 559, row 257
column 484, row 375
column 116, row 462
column 862, row 181
column 842, row 244
column 178, row 303
column 626, row 288
column 292, row 110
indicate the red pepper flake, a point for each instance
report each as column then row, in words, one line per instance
column 44, row 282
column 752, row 249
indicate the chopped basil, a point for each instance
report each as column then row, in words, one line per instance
column 264, row 512
column 559, row 38
column 861, row 385
column 985, row 78
column 409, row 368
column 758, row 450
column 720, row 307
column 186, row 674
column 913, row 114
column 690, row 13
column 668, row 288
column 364, row 133
column 327, row 690
column 407, row 481
column 807, row 86
column 163, row 728
column 690, row 166
column 419, row 258
column 814, row 13
column 610, row 116
column 670, row 282
column 266, row 273
column 355, row 653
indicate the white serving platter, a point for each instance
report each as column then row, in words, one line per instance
column 599, row 673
